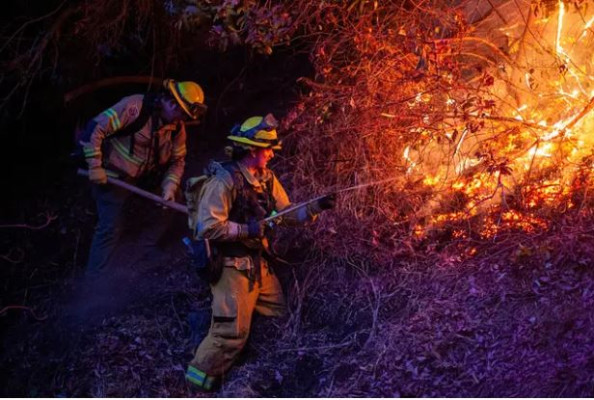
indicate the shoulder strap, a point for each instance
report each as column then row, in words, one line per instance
column 193, row 192
column 141, row 120
column 145, row 113
column 233, row 169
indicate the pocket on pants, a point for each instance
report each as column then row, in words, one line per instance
column 224, row 316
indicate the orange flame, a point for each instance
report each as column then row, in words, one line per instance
column 543, row 143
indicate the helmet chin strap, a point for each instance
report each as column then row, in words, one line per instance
column 168, row 103
column 249, row 162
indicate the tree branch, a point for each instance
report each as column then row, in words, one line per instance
column 48, row 220
column 18, row 307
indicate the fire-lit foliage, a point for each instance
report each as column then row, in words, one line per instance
column 480, row 115
column 476, row 113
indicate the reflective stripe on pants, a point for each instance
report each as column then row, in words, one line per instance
column 232, row 307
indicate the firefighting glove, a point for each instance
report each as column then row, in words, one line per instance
column 169, row 191
column 327, row 202
column 256, row 229
column 98, row 175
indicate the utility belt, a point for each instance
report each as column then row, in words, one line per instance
column 231, row 252
column 209, row 259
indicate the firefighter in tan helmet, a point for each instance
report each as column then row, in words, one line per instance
column 235, row 199
column 143, row 135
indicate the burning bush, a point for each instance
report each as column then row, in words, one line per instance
column 453, row 120
column 471, row 117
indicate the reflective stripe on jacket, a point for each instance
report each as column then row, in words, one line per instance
column 218, row 196
column 114, row 152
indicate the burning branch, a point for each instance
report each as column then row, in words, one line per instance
column 490, row 110
column 581, row 115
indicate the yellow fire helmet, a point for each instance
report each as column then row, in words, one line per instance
column 189, row 96
column 258, row 132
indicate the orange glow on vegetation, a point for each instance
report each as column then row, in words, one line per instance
column 520, row 153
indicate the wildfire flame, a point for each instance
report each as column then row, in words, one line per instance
column 541, row 132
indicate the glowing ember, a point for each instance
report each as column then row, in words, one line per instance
column 518, row 147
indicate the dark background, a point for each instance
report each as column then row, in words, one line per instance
column 40, row 268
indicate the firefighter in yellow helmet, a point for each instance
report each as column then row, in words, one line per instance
column 141, row 136
column 235, row 199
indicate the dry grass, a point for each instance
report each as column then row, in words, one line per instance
column 515, row 319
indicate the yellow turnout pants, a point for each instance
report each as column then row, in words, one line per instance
column 232, row 307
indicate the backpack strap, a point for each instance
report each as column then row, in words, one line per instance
column 236, row 175
column 145, row 113
column 193, row 192
column 155, row 139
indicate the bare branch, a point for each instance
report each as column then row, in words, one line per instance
column 49, row 218
column 19, row 307
column 30, row 22
column 19, row 259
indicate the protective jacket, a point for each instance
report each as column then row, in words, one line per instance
column 230, row 198
column 152, row 147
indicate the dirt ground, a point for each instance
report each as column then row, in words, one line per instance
column 126, row 332
column 515, row 320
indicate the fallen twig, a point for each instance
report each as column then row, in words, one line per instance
column 48, row 220
column 23, row 308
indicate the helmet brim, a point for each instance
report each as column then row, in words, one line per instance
column 173, row 89
column 262, row 145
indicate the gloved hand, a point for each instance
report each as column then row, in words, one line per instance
column 169, row 191
column 98, row 175
column 327, row 202
column 256, row 229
